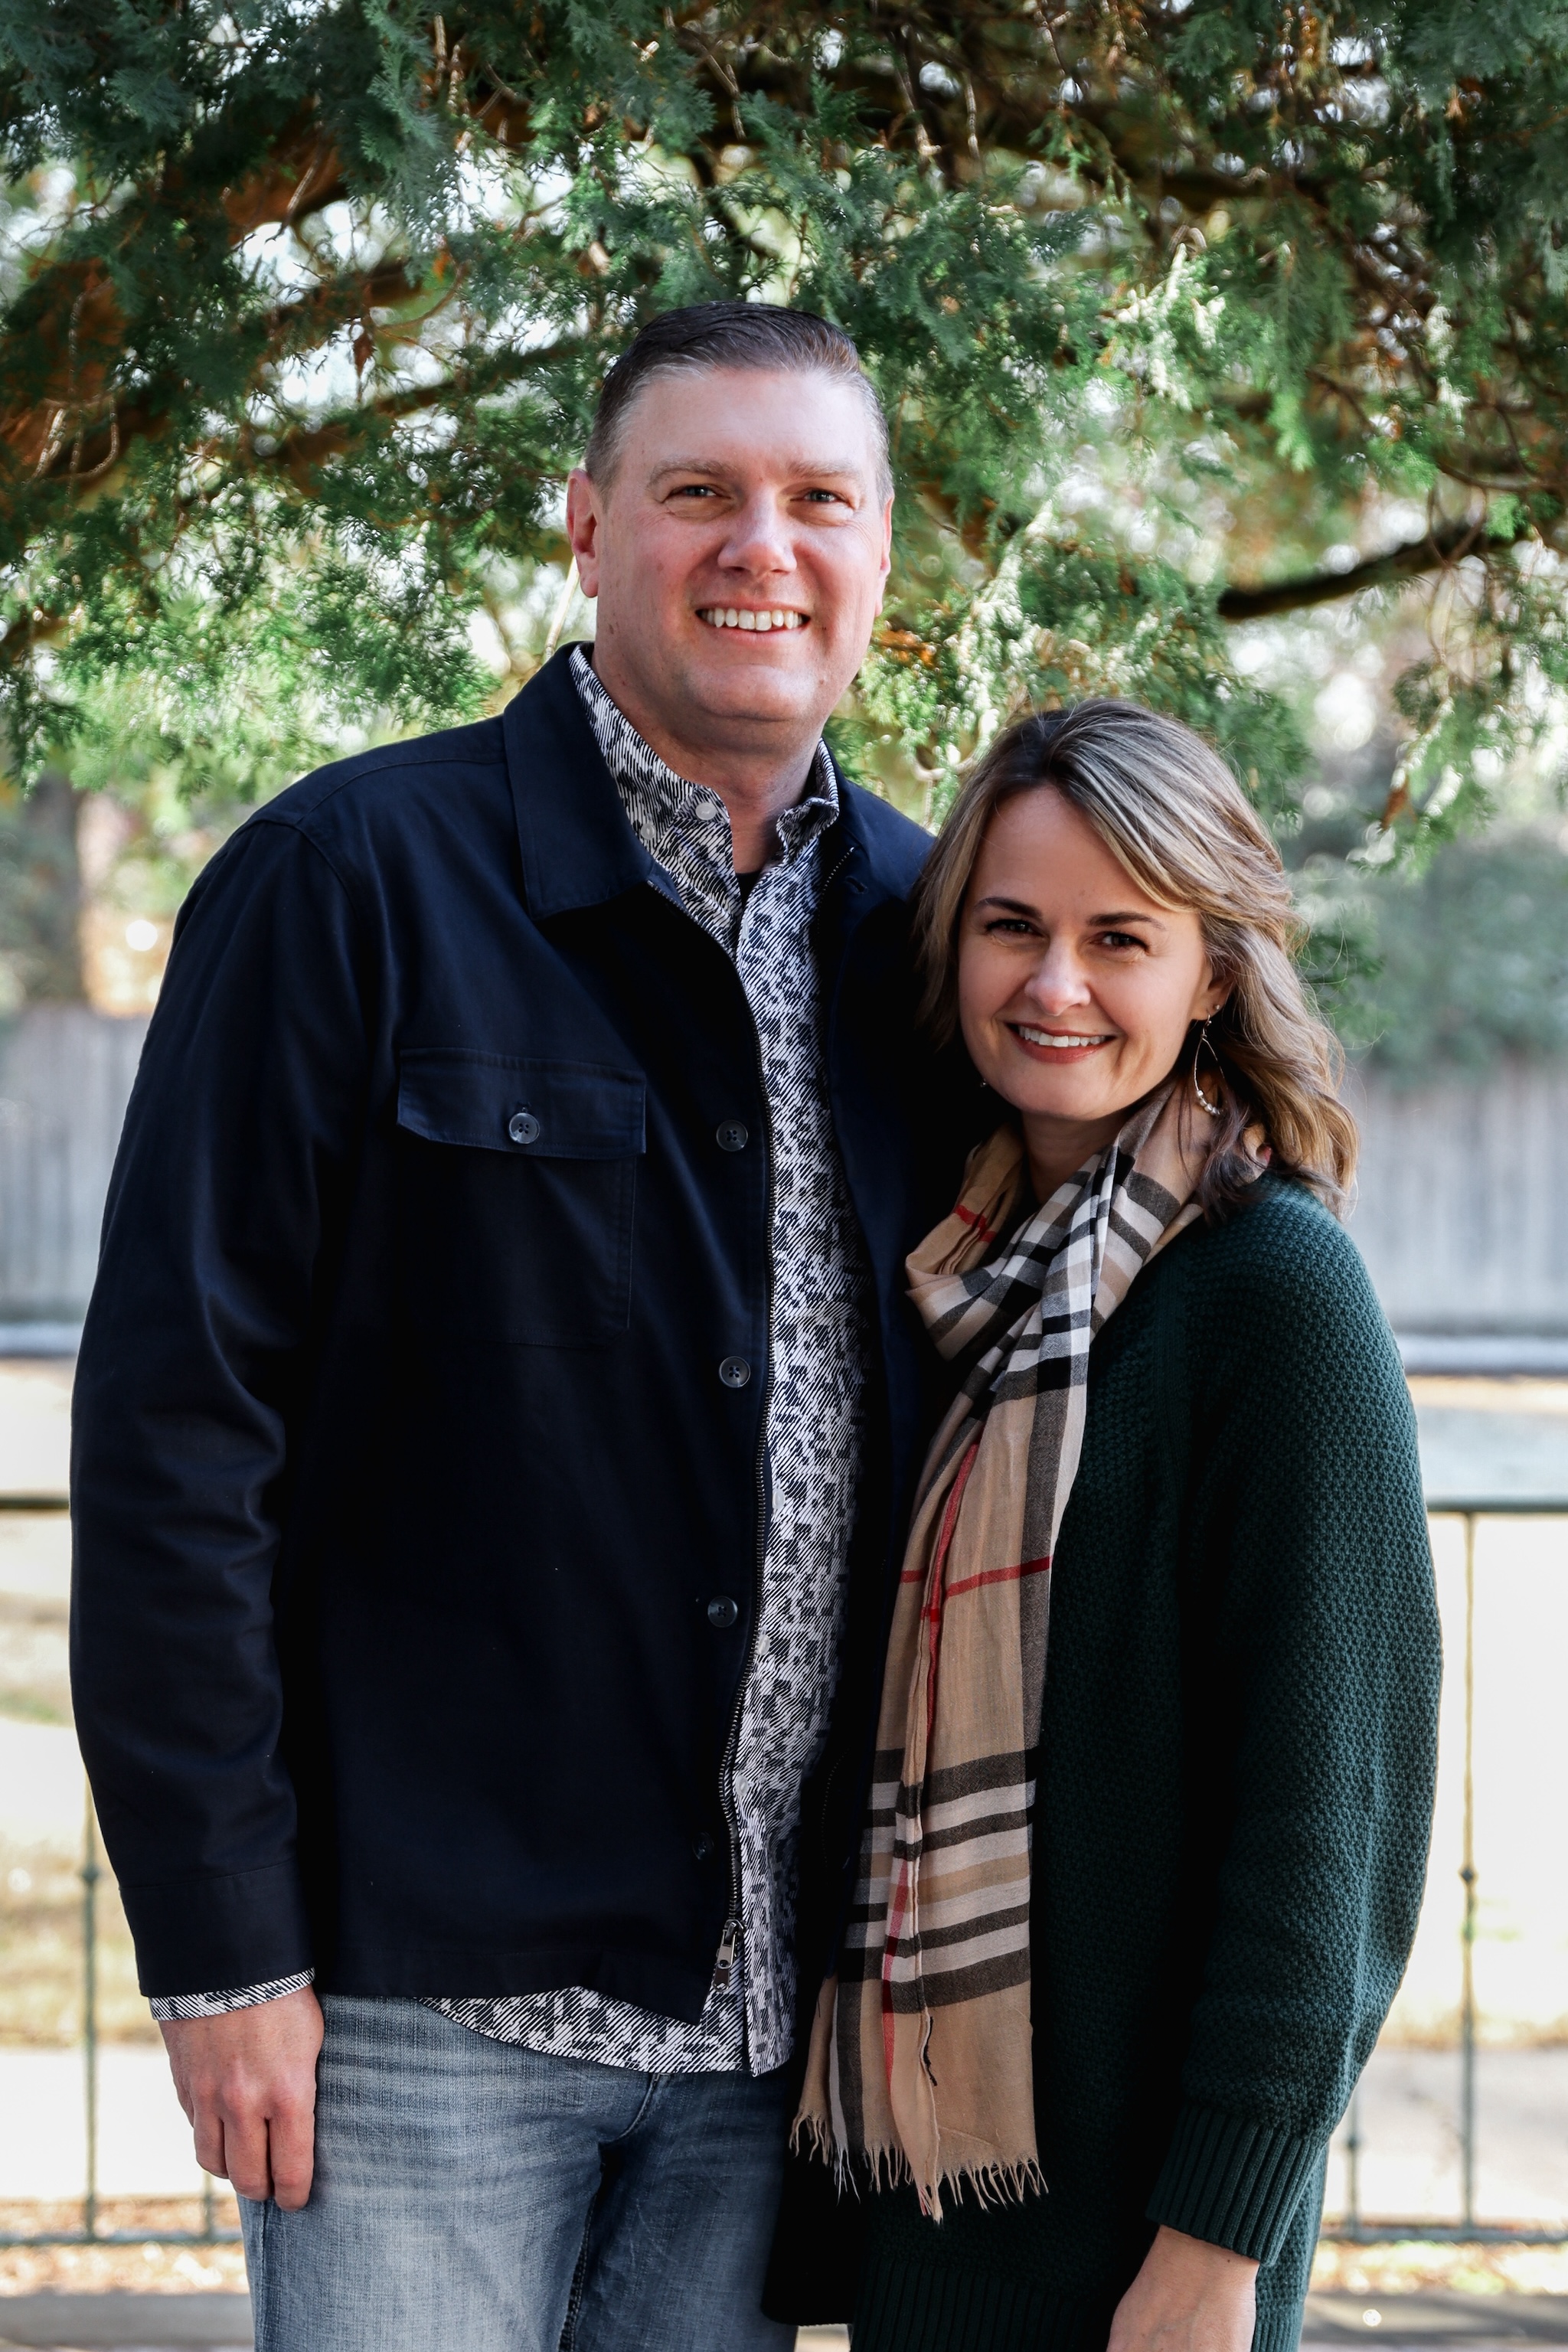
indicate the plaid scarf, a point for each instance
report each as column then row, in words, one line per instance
column 919, row 2057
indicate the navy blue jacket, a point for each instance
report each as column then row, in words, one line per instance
column 405, row 1466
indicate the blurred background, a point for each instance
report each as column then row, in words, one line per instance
column 1226, row 351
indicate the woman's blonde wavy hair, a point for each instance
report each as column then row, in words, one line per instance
column 1169, row 809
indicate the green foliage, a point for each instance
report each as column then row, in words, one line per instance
column 1183, row 314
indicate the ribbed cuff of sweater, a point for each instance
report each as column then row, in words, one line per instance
column 1231, row 2182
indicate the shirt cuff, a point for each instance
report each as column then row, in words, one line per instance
column 219, row 2004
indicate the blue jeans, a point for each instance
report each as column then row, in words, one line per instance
column 473, row 2197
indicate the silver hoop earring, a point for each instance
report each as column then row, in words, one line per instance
column 1215, row 1109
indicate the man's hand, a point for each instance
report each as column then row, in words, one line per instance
column 1189, row 2296
column 247, row 2083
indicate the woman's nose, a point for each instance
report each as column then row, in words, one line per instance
column 1058, row 983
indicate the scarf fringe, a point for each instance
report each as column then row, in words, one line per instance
column 997, row 2184
column 992, row 2184
column 887, row 2169
column 812, row 2137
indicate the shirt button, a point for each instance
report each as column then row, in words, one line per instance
column 722, row 1612
column 702, row 1846
column 731, row 1135
column 523, row 1128
column 734, row 1372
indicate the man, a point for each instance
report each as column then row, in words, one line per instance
column 497, row 1412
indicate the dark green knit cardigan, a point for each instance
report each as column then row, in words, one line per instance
column 1235, row 1778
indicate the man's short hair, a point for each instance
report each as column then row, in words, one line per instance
column 728, row 335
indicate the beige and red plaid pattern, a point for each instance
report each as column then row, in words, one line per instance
column 920, row 2056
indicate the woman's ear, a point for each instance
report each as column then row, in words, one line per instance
column 1211, row 995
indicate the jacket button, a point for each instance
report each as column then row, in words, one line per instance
column 702, row 1846
column 523, row 1128
column 734, row 1372
column 731, row 1135
column 722, row 1612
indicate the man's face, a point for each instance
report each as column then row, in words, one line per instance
column 738, row 555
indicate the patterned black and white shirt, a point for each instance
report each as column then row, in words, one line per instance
column 820, row 1342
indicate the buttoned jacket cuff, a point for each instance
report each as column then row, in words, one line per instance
column 242, row 1927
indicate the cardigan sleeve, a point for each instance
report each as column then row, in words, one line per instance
column 1313, row 1629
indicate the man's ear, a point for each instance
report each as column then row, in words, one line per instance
column 585, row 519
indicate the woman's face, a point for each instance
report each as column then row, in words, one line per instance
column 1075, row 990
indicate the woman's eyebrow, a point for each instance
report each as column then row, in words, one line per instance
column 1095, row 922
column 1014, row 906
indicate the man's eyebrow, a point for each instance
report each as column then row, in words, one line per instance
column 1095, row 922
column 834, row 468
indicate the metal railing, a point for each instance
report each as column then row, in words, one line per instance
column 91, row 1874
column 90, row 2234
column 1348, row 2228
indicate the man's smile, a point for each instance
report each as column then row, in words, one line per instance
column 738, row 616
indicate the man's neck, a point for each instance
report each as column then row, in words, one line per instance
column 755, row 782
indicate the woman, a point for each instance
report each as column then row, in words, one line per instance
column 1127, row 1922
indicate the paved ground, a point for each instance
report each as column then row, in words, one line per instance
column 117, row 2323
column 1467, row 2321
column 148, row 2323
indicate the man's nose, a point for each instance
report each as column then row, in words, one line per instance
column 759, row 539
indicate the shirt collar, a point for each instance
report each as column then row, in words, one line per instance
column 656, row 798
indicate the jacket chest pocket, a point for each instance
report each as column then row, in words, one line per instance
column 518, row 1196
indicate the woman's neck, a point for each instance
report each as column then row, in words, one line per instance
column 1058, row 1147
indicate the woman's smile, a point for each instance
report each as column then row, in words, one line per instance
column 1056, row 1045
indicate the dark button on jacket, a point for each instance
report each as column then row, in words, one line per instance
column 417, row 1387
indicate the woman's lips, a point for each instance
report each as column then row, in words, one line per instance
column 1058, row 1045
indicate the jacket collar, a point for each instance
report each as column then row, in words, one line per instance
column 577, row 845
column 854, row 857
column 574, row 839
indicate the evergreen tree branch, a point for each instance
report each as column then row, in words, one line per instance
column 1448, row 544
column 298, row 452
column 1157, row 278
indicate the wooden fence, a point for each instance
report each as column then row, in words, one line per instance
column 66, row 1074
column 1462, row 1212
